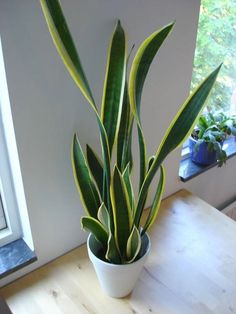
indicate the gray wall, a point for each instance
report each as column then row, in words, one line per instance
column 47, row 107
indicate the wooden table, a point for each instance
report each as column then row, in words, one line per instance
column 192, row 269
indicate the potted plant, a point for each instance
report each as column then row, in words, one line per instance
column 207, row 138
column 118, row 243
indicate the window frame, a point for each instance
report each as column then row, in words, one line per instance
column 13, row 230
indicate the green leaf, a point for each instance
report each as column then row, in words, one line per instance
column 96, row 167
column 150, row 161
column 96, row 228
column 128, row 184
column 141, row 65
column 65, row 46
column 121, row 211
column 104, row 217
column 64, row 43
column 114, row 84
column 112, row 253
column 142, row 156
column 86, row 187
column 124, row 139
column 178, row 131
column 156, row 202
column 133, row 245
column 138, row 73
column 107, row 160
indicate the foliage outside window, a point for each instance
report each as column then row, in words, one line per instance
column 216, row 43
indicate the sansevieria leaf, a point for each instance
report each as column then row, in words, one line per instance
column 141, row 65
column 121, row 210
column 178, row 131
column 112, row 254
column 104, row 217
column 133, row 245
column 124, row 138
column 96, row 167
column 65, row 46
column 142, row 156
column 129, row 188
column 84, row 181
column 138, row 73
column 156, row 202
column 96, row 228
column 114, row 84
column 150, row 161
column 64, row 43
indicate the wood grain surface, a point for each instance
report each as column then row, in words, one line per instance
column 191, row 270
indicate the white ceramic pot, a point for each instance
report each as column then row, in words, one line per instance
column 117, row 280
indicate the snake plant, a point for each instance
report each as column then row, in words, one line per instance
column 113, row 213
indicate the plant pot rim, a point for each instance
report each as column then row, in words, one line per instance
column 102, row 262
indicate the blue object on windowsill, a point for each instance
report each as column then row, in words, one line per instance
column 202, row 155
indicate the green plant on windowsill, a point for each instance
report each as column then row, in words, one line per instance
column 113, row 214
column 207, row 138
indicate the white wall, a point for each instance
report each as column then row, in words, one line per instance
column 47, row 107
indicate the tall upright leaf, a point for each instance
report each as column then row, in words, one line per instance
column 142, row 156
column 65, row 46
column 129, row 187
column 112, row 253
column 96, row 167
column 138, row 73
column 121, row 210
column 156, row 201
column 178, row 131
column 124, row 139
column 141, row 65
column 114, row 84
column 86, row 187
column 63, row 41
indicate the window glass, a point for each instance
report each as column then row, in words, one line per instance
column 215, row 44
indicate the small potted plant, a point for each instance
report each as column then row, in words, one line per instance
column 207, row 138
column 118, row 243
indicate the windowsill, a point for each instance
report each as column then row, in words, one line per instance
column 14, row 256
column 189, row 169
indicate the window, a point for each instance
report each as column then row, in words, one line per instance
column 16, row 243
column 10, row 228
column 216, row 44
